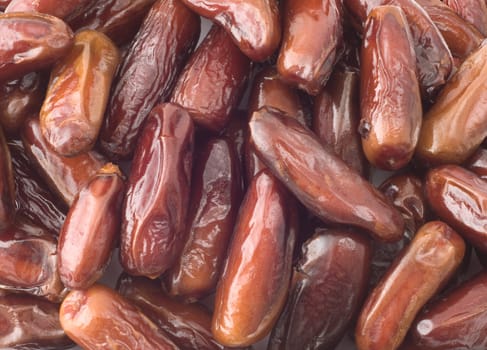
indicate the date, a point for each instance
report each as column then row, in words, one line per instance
column 58, row 8
column 472, row 11
column 478, row 163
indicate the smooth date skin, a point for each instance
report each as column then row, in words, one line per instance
column 336, row 117
column 304, row 61
column 328, row 285
column 155, row 206
column 328, row 187
column 65, row 176
column 58, row 8
column 472, row 11
column 30, row 42
column 478, row 163
column 212, row 82
column 99, row 318
column 91, row 229
column 457, row 320
column 216, row 194
column 7, row 186
column 456, row 125
column 253, row 288
column 30, row 323
column 148, row 72
column 416, row 275
column 390, row 101
column 254, row 25
column 459, row 197
column 73, row 110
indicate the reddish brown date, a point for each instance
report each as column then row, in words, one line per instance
column 58, row 8
column 211, row 84
column 456, row 124
column 390, row 108
column 215, row 198
column 64, row 175
column 478, row 163
column 118, row 19
column 30, row 42
column 305, row 62
column 262, row 247
column 253, row 24
column 328, row 285
column 319, row 178
column 100, row 319
column 91, row 229
column 29, row 322
column 28, row 261
column 33, row 200
column 459, row 197
column 72, row 113
column 336, row 117
column 472, row 11
column 148, row 72
column 7, row 186
column 421, row 269
column 456, row 321
column 155, row 206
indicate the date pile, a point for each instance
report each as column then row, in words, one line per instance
column 120, row 133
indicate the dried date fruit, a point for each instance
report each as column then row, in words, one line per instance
column 7, row 186
column 472, row 11
column 478, row 163
column 58, row 8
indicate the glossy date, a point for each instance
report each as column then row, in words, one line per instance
column 472, row 11
column 58, row 8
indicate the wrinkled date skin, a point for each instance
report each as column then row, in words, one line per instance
column 91, row 229
column 30, row 42
column 58, row 8
column 28, row 261
column 73, row 110
column 472, row 11
column 148, row 72
column 29, row 322
column 478, row 163
column 328, row 285
column 462, row 37
column 262, row 247
column 434, row 61
column 33, row 201
column 155, row 206
column 7, row 185
column 253, row 24
column 20, row 98
column 320, row 179
column 213, row 80
column 189, row 325
column 459, row 197
column 271, row 91
column 390, row 107
column 456, row 125
column 117, row 19
column 98, row 318
column 64, row 175
column 421, row 269
column 215, row 199
column 336, row 117
column 456, row 321
column 307, row 63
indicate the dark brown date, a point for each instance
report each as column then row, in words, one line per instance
column 262, row 247
column 30, row 323
column 30, row 42
column 472, row 11
column 328, row 285
column 33, row 200
column 100, row 319
column 459, row 197
column 421, row 269
column 308, row 63
column 456, row 321
column 64, row 175
column 320, row 179
column 28, row 261
column 189, row 325
column 58, row 8
column 73, row 110
column 253, row 24
column 211, row 84
column 215, row 198
column 336, row 118
column 91, row 229
column 155, row 206
column 478, row 163
column 7, row 186
column 148, row 72
column 390, row 108
column 118, row 19
column 456, row 125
